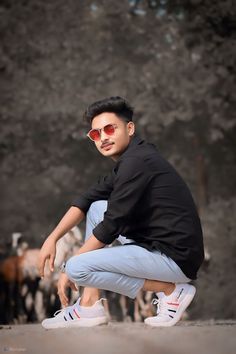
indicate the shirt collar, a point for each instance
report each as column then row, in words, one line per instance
column 135, row 140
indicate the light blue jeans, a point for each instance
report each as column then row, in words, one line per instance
column 121, row 269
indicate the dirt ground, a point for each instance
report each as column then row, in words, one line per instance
column 216, row 337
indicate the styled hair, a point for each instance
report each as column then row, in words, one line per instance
column 117, row 105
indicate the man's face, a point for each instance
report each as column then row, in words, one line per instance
column 112, row 145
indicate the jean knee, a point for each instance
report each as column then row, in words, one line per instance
column 97, row 208
column 70, row 267
column 76, row 270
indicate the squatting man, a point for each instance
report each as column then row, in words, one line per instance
column 148, row 208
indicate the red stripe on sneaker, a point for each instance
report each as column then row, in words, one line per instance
column 172, row 303
column 76, row 313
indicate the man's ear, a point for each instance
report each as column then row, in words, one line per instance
column 131, row 128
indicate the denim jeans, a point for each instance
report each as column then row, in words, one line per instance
column 121, row 269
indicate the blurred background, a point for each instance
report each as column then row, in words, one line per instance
column 175, row 62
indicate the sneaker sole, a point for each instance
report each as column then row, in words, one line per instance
column 185, row 303
column 88, row 322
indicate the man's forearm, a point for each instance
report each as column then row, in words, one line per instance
column 72, row 217
column 91, row 244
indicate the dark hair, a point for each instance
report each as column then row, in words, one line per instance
column 117, row 105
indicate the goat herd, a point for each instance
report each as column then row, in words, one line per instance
column 26, row 298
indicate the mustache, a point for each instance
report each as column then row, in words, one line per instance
column 106, row 143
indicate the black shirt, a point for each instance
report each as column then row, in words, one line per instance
column 150, row 203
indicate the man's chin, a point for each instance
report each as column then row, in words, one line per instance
column 109, row 153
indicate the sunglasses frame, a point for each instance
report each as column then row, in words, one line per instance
column 102, row 129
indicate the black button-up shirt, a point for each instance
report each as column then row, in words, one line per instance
column 150, row 203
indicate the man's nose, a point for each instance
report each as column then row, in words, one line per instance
column 103, row 135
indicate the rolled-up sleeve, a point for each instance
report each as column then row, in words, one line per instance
column 99, row 191
column 130, row 182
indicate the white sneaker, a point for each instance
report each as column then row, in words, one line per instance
column 77, row 316
column 171, row 308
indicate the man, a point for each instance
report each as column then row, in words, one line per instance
column 144, row 204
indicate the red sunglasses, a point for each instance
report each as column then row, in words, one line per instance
column 95, row 134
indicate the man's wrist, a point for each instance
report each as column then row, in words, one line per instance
column 53, row 237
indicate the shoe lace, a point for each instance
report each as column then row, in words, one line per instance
column 57, row 312
column 66, row 309
column 162, row 309
column 156, row 302
column 62, row 310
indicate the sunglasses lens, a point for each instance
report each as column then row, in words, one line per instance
column 109, row 129
column 94, row 134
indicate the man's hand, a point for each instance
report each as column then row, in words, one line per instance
column 63, row 284
column 47, row 252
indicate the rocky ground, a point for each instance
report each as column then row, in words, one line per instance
column 185, row 338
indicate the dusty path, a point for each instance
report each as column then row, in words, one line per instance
column 218, row 337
